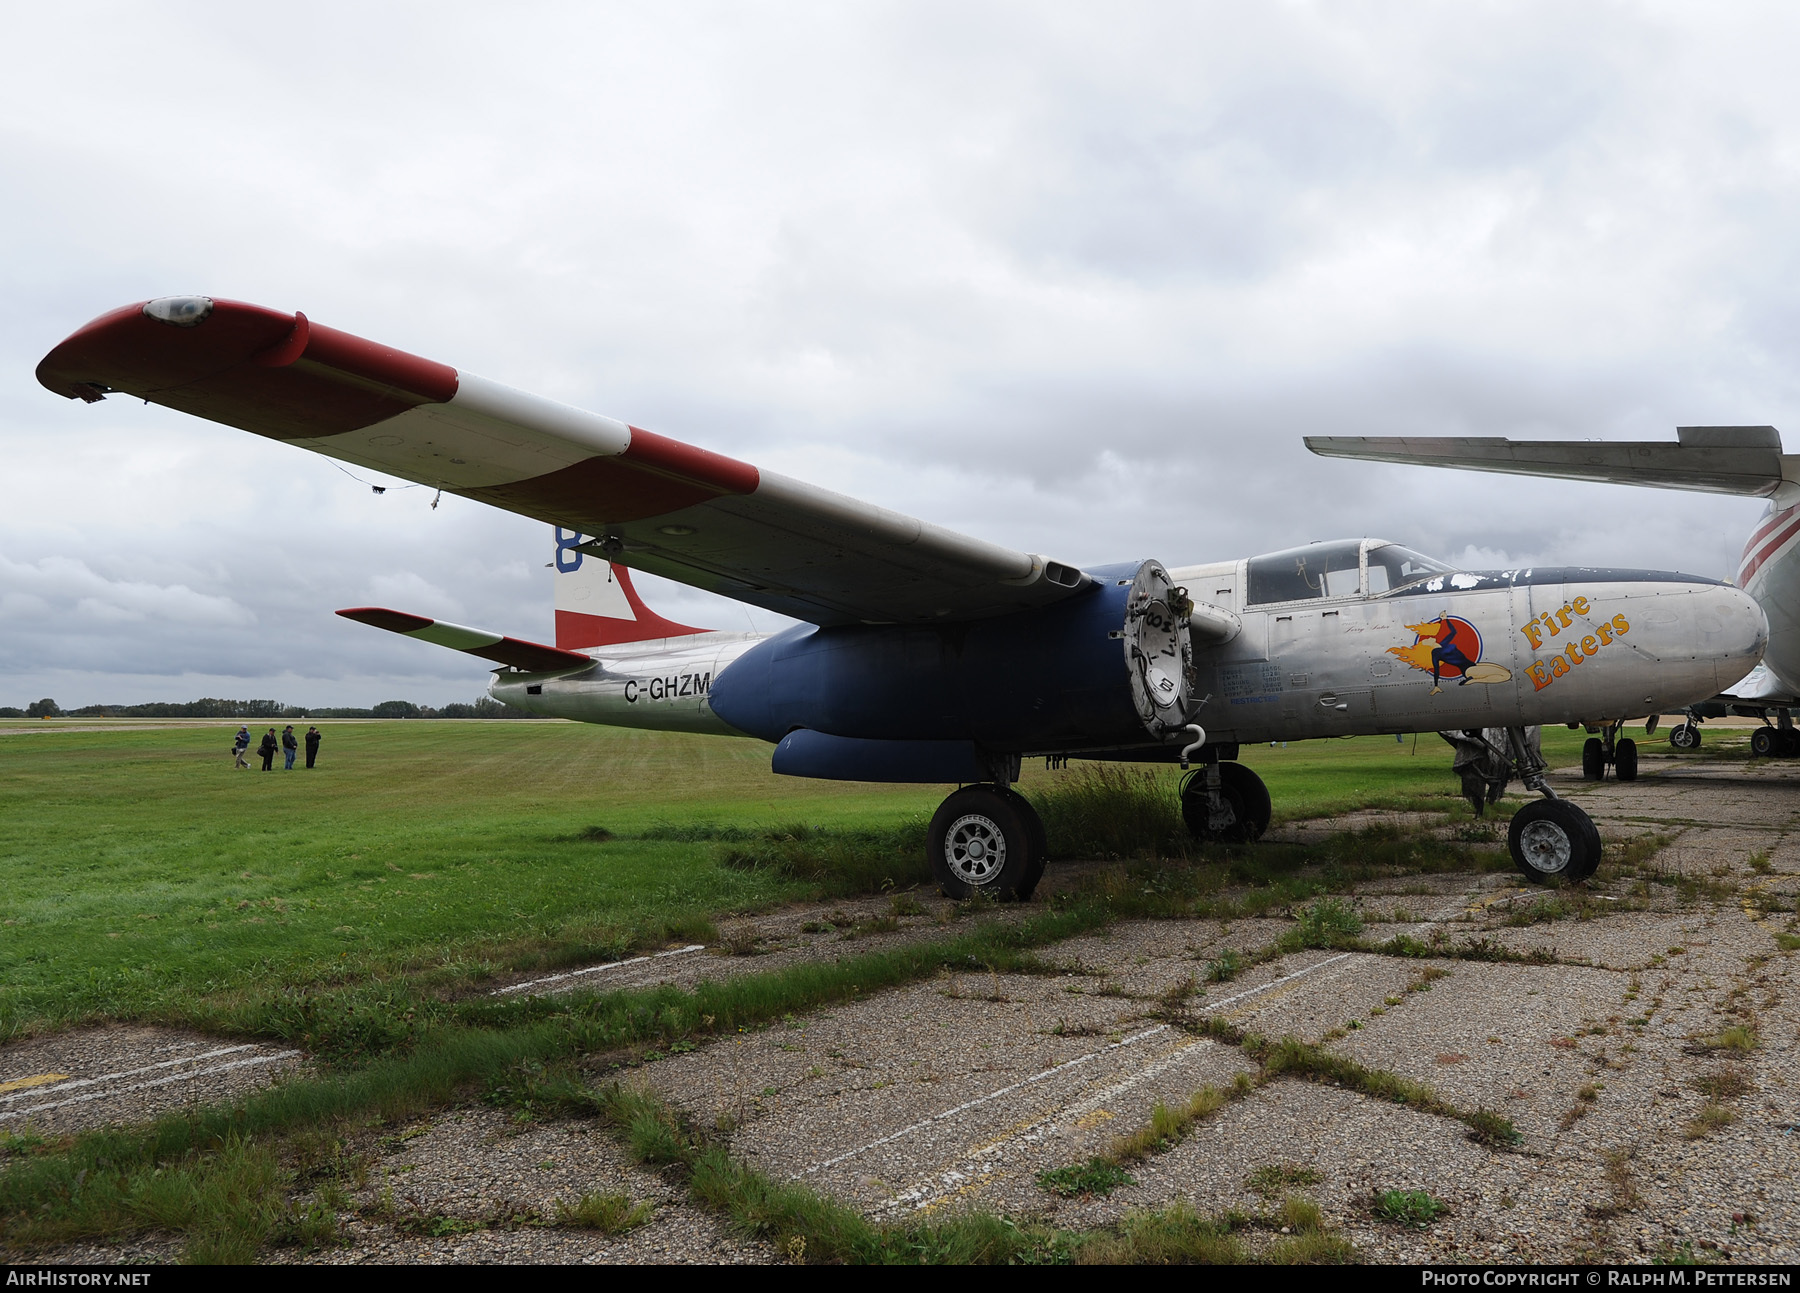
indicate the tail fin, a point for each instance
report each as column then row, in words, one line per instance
column 596, row 605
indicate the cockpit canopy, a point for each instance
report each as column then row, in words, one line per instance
column 1338, row 568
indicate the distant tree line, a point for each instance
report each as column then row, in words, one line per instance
column 214, row 707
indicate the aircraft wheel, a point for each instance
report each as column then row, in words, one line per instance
column 1593, row 759
column 1763, row 742
column 1247, row 806
column 1552, row 840
column 1040, row 843
column 1787, row 743
column 1625, row 759
column 980, row 844
column 1684, row 736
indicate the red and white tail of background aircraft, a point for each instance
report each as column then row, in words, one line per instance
column 924, row 655
column 1711, row 460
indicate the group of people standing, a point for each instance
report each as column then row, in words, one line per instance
column 286, row 742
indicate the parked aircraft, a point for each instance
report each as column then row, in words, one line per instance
column 924, row 655
column 1713, row 460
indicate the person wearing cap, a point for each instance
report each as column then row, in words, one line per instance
column 238, row 747
column 267, row 748
column 313, row 737
column 289, row 746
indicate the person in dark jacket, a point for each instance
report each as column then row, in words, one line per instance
column 267, row 750
column 313, row 737
column 240, row 746
column 289, row 746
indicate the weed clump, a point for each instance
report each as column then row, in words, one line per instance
column 1096, row 1177
column 1490, row 1128
column 1167, row 1237
column 1327, row 923
column 1711, row 1118
column 1740, row 1038
column 1730, row 1083
column 1225, row 968
column 610, row 1214
column 1271, row 1182
column 1415, row 1208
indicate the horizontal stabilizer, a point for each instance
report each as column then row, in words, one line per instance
column 533, row 657
column 1716, row 460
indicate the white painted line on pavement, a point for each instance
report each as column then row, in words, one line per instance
column 983, row 1099
column 123, row 1073
column 143, row 1086
column 596, row 969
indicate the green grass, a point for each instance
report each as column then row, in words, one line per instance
column 143, row 871
column 144, row 874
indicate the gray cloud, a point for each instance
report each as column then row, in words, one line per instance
column 1071, row 279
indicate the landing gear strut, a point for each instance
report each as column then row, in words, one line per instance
column 1550, row 839
column 1609, row 750
column 987, row 840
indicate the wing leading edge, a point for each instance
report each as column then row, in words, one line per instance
column 1716, row 460
column 657, row 504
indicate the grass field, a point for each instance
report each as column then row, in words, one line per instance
column 144, row 874
column 344, row 909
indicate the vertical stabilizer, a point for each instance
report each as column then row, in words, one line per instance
column 596, row 605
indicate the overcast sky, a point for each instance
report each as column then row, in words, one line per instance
column 1072, row 278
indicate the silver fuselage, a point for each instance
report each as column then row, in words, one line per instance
column 1513, row 648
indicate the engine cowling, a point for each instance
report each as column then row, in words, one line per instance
column 1106, row 667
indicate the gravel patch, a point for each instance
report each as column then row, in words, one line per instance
column 491, row 1184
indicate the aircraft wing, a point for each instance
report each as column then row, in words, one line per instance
column 516, row 653
column 1717, row 460
column 1758, row 687
column 654, row 503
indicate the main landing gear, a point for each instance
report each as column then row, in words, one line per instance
column 1551, row 840
column 1609, row 750
column 987, row 840
column 1781, row 741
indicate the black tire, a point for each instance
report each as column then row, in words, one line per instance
column 1763, row 743
column 1247, row 804
column 1551, row 840
column 1684, row 736
column 979, row 843
column 1040, row 843
column 1593, row 759
column 1625, row 760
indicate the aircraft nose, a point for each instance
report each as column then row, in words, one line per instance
column 1742, row 634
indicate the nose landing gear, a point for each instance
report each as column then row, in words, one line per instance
column 1225, row 802
column 1550, row 839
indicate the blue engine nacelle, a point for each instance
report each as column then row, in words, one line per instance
column 1108, row 666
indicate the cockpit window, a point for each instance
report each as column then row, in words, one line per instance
column 1392, row 566
column 1317, row 570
